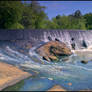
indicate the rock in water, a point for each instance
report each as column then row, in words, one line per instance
column 10, row 75
column 57, row 39
column 52, row 50
column 83, row 61
column 57, row 88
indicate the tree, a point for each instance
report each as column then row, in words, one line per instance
column 75, row 21
column 38, row 14
column 33, row 16
column 88, row 18
column 10, row 14
column 27, row 20
column 62, row 22
column 58, row 17
column 50, row 25
column 18, row 15
column 77, row 14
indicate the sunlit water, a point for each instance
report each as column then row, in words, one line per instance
column 49, row 73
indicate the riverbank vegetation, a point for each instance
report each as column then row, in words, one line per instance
column 18, row 15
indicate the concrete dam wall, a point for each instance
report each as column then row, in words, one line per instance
column 23, row 37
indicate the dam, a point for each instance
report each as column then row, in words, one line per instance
column 22, row 37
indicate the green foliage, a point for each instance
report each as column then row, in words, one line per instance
column 77, row 14
column 69, row 22
column 77, row 23
column 62, row 22
column 16, row 26
column 10, row 13
column 33, row 16
column 49, row 25
column 27, row 20
column 18, row 15
column 88, row 18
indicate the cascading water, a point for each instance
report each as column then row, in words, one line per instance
column 49, row 73
column 36, row 36
column 66, row 36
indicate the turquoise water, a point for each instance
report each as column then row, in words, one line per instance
column 47, row 74
column 80, row 79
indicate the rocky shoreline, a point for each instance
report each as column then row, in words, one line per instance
column 10, row 75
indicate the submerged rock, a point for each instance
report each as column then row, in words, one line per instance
column 53, row 50
column 70, row 84
column 57, row 88
column 65, row 58
column 84, row 44
column 83, row 61
column 49, row 38
column 57, row 39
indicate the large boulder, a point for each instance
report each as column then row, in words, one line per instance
column 52, row 50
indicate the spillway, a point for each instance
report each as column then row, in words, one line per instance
column 22, row 37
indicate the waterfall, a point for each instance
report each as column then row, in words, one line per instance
column 36, row 36
column 66, row 36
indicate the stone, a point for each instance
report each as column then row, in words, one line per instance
column 10, row 75
column 49, row 38
column 65, row 59
column 84, row 61
column 57, row 39
column 84, row 44
column 56, row 88
column 51, row 51
column 28, row 46
column 70, row 84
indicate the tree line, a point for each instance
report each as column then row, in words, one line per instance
column 18, row 15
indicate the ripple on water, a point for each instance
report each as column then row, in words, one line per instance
column 62, row 73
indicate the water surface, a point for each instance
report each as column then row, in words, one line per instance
column 47, row 74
